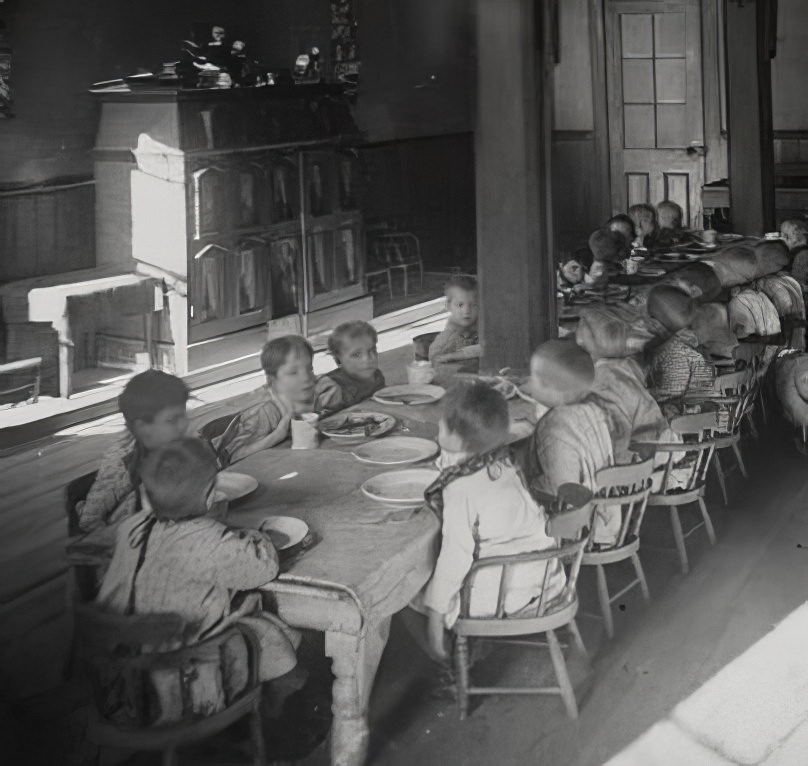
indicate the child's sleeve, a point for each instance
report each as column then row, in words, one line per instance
column 248, row 427
column 445, row 343
column 328, row 396
column 456, row 556
column 241, row 559
column 111, row 495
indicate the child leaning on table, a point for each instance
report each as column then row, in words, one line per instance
column 177, row 559
column 459, row 340
column 487, row 511
column 357, row 377
column 290, row 390
column 153, row 408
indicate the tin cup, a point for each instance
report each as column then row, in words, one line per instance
column 304, row 431
column 631, row 266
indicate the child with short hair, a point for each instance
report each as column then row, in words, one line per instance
column 669, row 219
column 623, row 224
column 289, row 390
column 609, row 248
column 486, row 511
column 645, row 224
column 794, row 232
column 459, row 340
column 357, row 377
column 177, row 559
column 153, row 408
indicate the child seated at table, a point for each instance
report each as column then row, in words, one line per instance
column 574, row 270
column 153, row 407
column 676, row 365
column 459, row 340
column 669, row 219
column 623, row 224
column 609, row 249
column 645, row 224
column 571, row 441
column 176, row 559
column 486, row 511
column 290, row 390
column 357, row 377
column 794, row 232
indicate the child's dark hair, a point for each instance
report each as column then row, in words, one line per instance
column 177, row 478
column 669, row 213
column 466, row 283
column 277, row 351
column 478, row 414
column 608, row 245
column 642, row 211
column 671, row 307
column 347, row 331
column 621, row 219
column 149, row 393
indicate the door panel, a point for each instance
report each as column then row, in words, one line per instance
column 655, row 103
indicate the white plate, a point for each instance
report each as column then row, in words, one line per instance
column 396, row 450
column 400, row 487
column 340, row 428
column 650, row 271
column 284, row 531
column 506, row 387
column 409, row 394
column 235, row 485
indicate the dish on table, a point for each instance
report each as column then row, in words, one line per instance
column 351, row 426
column 410, row 393
column 499, row 383
column 400, row 488
column 284, row 531
column 670, row 257
column 730, row 237
column 651, row 271
column 396, row 450
column 235, row 485
column 699, row 256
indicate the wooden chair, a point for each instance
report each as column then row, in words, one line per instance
column 26, row 376
column 213, row 430
column 378, row 264
column 626, row 487
column 82, row 580
column 421, row 344
column 693, row 458
column 120, row 674
column 403, row 251
column 736, row 394
column 569, row 523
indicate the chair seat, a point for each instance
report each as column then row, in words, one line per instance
column 727, row 440
column 612, row 555
column 493, row 627
column 172, row 735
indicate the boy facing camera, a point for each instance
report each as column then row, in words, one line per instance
column 487, row 511
column 459, row 340
column 153, row 408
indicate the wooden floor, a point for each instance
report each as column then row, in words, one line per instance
column 735, row 593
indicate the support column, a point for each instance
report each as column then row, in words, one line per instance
column 512, row 145
column 749, row 116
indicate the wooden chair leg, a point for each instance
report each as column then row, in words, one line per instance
column 635, row 559
column 676, row 523
column 603, row 598
column 461, row 657
column 578, row 640
column 257, row 736
column 720, row 471
column 736, row 448
column 564, row 683
column 708, row 522
column 750, row 418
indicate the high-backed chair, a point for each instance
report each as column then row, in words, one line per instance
column 121, row 674
column 684, row 476
column 624, row 489
column 570, row 522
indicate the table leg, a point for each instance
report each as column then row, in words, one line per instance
column 355, row 660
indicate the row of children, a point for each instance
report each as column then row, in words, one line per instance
column 644, row 227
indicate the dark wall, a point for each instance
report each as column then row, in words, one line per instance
column 62, row 46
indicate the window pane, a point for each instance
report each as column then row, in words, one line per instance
column 670, row 36
column 638, row 127
column 638, row 81
column 637, row 37
column 672, row 126
column 671, row 81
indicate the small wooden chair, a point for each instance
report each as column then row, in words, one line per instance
column 736, row 394
column 213, row 430
column 82, row 581
column 569, row 523
column 403, row 251
column 698, row 450
column 627, row 487
column 378, row 264
column 120, row 675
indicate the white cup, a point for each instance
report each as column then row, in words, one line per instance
column 709, row 236
column 420, row 373
column 304, row 431
column 631, row 266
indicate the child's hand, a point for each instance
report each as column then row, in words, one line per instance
column 436, row 637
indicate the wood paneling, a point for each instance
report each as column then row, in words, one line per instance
column 46, row 231
column 573, row 107
column 789, row 67
column 577, row 202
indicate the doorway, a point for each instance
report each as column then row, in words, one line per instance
column 654, row 94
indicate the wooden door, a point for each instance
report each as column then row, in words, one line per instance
column 656, row 130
